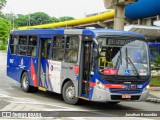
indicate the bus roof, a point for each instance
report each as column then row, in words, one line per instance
column 94, row 32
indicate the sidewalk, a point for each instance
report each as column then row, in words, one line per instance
column 154, row 95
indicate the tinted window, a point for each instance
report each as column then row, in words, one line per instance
column 71, row 51
column 13, row 44
column 58, row 48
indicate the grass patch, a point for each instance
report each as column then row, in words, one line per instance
column 155, row 81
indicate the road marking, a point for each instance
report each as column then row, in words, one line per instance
column 40, row 103
column 77, row 118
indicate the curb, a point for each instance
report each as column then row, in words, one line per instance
column 156, row 100
column 155, row 88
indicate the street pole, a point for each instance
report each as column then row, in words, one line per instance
column 13, row 21
column 29, row 20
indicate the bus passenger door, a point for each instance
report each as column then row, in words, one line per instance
column 85, row 66
column 43, row 65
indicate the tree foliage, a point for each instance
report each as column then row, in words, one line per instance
column 65, row 18
column 5, row 28
column 21, row 21
column 156, row 59
column 2, row 3
column 38, row 18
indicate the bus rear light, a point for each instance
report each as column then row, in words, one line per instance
column 76, row 69
column 110, row 71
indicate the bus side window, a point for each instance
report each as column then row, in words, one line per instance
column 32, row 46
column 22, row 48
column 71, row 51
column 58, row 48
column 13, row 44
column 46, row 42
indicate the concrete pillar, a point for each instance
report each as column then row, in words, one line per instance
column 158, row 17
column 149, row 22
column 119, row 17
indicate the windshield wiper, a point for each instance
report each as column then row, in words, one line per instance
column 128, row 58
column 118, row 62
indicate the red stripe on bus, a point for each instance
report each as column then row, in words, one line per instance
column 33, row 74
column 114, row 85
column 92, row 84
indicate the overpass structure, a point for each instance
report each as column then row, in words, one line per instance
column 142, row 16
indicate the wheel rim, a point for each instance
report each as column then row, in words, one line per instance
column 70, row 92
column 25, row 82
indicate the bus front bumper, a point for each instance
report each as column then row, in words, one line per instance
column 107, row 96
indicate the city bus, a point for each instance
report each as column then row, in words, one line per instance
column 91, row 64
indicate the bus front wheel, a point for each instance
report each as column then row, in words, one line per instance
column 25, row 84
column 68, row 93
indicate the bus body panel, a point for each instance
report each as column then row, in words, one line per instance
column 18, row 64
column 105, row 95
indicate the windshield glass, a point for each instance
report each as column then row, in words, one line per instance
column 123, row 56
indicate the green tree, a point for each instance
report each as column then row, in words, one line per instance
column 2, row 3
column 40, row 18
column 156, row 60
column 54, row 19
column 5, row 28
column 1, row 15
column 21, row 21
column 65, row 18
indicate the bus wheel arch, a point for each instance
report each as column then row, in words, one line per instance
column 68, row 92
column 25, row 83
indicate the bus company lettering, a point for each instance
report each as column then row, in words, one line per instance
column 55, row 63
column 66, row 67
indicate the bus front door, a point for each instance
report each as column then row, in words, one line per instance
column 85, row 68
column 43, row 67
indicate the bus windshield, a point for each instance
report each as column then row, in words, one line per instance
column 123, row 56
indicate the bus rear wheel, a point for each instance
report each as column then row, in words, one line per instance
column 25, row 84
column 68, row 93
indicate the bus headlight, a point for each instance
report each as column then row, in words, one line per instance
column 146, row 88
column 101, row 86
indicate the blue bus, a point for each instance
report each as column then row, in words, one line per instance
column 92, row 64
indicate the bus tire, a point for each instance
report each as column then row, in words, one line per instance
column 68, row 93
column 25, row 83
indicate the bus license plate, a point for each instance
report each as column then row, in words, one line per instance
column 126, row 96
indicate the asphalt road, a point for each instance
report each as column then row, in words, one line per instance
column 12, row 98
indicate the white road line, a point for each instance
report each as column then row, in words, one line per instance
column 77, row 118
column 40, row 103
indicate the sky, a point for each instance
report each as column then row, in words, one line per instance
column 55, row 8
